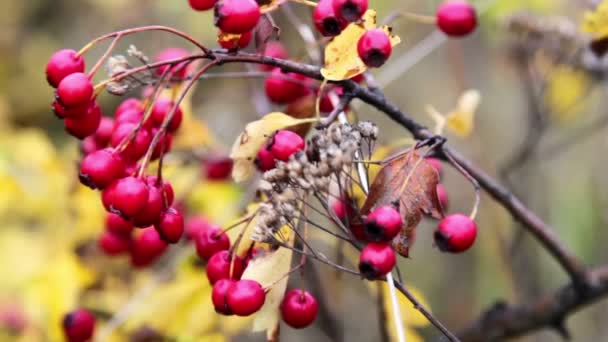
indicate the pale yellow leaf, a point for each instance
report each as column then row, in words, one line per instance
column 596, row 22
column 461, row 120
column 566, row 88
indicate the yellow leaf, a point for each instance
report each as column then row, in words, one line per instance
column 249, row 143
column 341, row 57
column 461, row 120
column 566, row 88
column 596, row 22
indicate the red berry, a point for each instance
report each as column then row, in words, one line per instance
column 89, row 145
column 436, row 164
column 75, row 89
column 274, row 49
column 265, row 160
column 218, row 167
column 442, row 195
column 146, row 248
column 61, row 64
column 164, row 143
column 118, row 225
column 236, row 16
column 107, row 196
column 350, row 10
column 239, row 42
column 99, row 169
column 103, row 134
column 358, row 231
column 181, row 69
column 210, row 240
column 299, row 308
column 151, row 213
column 195, row 225
column 114, row 244
column 171, row 225
column 218, row 267
column 167, row 188
column 131, row 115
column 130, row 103
column 161, row 109
column 129, row 196
column 376, row 260
column 456, row 18
column 219, row 296
column 86, row 125
column 325, row 19
column 201, row 5
column 455, row 233
column 383, row 224
column 245, row 297
column 70, row 112
column 284, row 144
column 284, row 88
column 78, row 325
column 137, row 147
column 374, row 48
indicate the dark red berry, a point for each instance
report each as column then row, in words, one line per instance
column 442, row 195
column 131, row 115
column 218, row 167
column 325, row 19
column 130, row 103
column 168, row 194
column 218, row 267
column 103, row 134
column 436, row 164
column 265, row 160
column 180, row 70
column 78, row 325
column 164, row 143
column 86, row 125
column 219, row 296
column 146, row 247
column 274, row 49
column 61, row 64
column 239, row 42
column 129, row 196
column 383, row 224
column 284, row 88
column 114, row 244
column 374, row 48
column 455, row 233
column 107, row 196
column 299, row 308
column 71, row 112
column 210, row 240
column 151, row 212
column 350, row 10
column 284, row 144
column 236, row 16
column 118, row 225
column 170, row 227
column 358, row 231
column 75, row 89
column 195, row 225
column 376, row 260
column 245, row 297
column 99, row 169
column 89, row 145
column 137, row 147
column 456, row 18
column 161, row 109
column 202, row 5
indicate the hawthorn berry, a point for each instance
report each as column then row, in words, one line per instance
column 78, row 325
column 130, row 103
column 88, row 145
column 150, row 214
column 239, row 42
column 131, row 115
column 218, row 167
column 284, row 144
column 383, row 224
column 210, row 240
column 456, row 18
column 236, row 16
column 299, row 308
column 75, row 90
column 376, row 260
column 436, row 164
column 219, row 265
column 129, row 196
column 169, row 194
column 99, row 169
column 86, row 125
column 180, row 69
column 63, row 112
column 195, row 225
column 164, row 143
column 161, row 109
column 325, row 19
column 273, row 49
column 442, row 195
column 118, row 225
column 146, row 247
column 265, row 160
column 114, row 244
column 455, row 233
column 245, row 297
column 103, row 134
column 202, row 5
column 136, row 147
column 374, row 48
column 219, row 296
column 344, row 209
column 61, row 64
column 350, row 10
column 284, row 87
column 170, row 227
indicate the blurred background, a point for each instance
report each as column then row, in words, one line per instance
column 540, row 129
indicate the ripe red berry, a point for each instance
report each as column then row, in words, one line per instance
column 62, row 111
column 265, row 160
column 284, row 144
column 161, row 109
column 169, row 194
column 456, row 18
column 61, row 64
column 137, row 147
column 218, row 267
column 325, row 19
column 75, row 89
column 455, row 233
column 179, row 70
column 442, row 195
column 374, row 48
column 274, row 49
column 210, row 240
column 299, row 308
column 170, row 227
column 284, row 88
column 130, row 103
column 236, row 16
column 195, row 225
column 245, row 297
column 436, row 164
column 151, row 212
column 219, row 296
column 376, row 260
column 99, row 169
column 88, row 145
column 129, row 196
column 131, row 115
column 118, row 225
column 86, row 125
column 218, row 167
column 383, row 224
column 201, row 5
column 78, row 325
column 103, row 134
column 114, row 244
column 239, row 42
column 146, row 247
column 350, row 10
column 164, row 143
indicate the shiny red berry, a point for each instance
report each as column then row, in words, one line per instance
column 456, row 18
column 218, row 167
column 78, row 325
column 350, row 10
column 151, row 212
column 442, row 195
column 376, row 260
column 169, row 194
column 61, row 64
column 455, row 233
column 383, row 224
column 74, row 112
column 245, row 297
column 118, row 225
column 114, row 244
column 164, row 143
column 130, row 103
column 170, row 227
column 180, row 69
column 219, row 296
column 284, row 88
column 103, row 134
column 137, row 147
column 325, row 19
column 210, row 240
column 284, row 144
column 218, row 267
column 146, row 247
column 161, row 109
column 374, row 48
column 265, row 160
column 239, row 42
column 299, row 308
column 195, row 225
column 129, row 195
column 133, row 116
column 202, row 5
column 236, row 16
column 274, row 49
column 86, row 125
column 75, row 89
column 99, row 169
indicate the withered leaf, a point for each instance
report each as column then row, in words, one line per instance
column 264, row 31
column 416, row 197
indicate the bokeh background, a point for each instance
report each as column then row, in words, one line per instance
column 540, row 129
